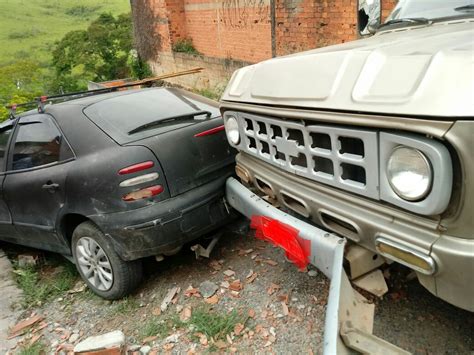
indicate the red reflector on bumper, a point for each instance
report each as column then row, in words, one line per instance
column 282, row 235
column 143, row 193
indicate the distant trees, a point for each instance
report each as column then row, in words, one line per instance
column 20, row 82
column 104, row 51
column 101, row 52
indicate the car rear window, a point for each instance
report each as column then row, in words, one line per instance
column 119, row 115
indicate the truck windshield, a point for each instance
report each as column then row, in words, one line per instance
column 431, row 9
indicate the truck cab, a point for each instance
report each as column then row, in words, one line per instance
column 370, row 140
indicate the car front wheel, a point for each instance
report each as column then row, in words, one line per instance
column 99, row 265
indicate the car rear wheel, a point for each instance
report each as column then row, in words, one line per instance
column 99, row 265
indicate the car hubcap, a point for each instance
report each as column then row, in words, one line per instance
column 94, row 264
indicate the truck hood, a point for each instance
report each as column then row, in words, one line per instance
column 417, row 71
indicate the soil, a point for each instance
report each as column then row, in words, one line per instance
column 287, row 306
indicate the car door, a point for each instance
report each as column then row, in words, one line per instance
column 7, row 231
column 34, row 186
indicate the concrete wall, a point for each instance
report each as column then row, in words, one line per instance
column 216, row 74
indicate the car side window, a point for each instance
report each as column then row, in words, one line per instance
column 5, row 132
column 38, row 142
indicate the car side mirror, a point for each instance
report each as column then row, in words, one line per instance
column 368, row 16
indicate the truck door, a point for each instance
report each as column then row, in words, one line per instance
column 34, row 186
column 7, row 231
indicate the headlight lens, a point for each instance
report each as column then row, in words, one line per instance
column 409, row 173
column 232, row 130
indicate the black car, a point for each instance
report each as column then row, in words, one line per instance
column 112, row 178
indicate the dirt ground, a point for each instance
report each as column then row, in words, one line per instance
column 276, row 307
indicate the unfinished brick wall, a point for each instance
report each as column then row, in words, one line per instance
column 238, row 31
column 306, row 24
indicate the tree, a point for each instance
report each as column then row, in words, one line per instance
column 99, row 53
column 20, row 82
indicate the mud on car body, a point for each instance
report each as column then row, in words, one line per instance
column 370, row 140
column 112, row 178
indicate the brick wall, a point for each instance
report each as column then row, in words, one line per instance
column 306, row 24
column 238, row 31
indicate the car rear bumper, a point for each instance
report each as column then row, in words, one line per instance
column 166, row 225
column 345, row 308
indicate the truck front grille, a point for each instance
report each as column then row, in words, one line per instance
column 346, row 158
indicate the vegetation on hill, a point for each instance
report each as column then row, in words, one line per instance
column 43, row 57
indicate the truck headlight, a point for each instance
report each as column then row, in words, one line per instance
column 409, row 173
column 232, row 130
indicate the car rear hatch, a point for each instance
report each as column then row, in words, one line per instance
column 183, row 130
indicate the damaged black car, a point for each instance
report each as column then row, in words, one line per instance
column 109, row 179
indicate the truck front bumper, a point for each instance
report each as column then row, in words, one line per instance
column 347, row 315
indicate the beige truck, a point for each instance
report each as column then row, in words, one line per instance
column 366, row 150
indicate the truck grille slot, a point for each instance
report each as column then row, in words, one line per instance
column 346, row 158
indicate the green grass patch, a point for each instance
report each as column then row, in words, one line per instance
column 28, row 23
column 28, row 33
column 214, row 324
column 124, row 306
column 38, row 348
column 184, row 46
column 160, row 326
column 154, row 327
column 82, row 10
column 41, row 285
column 209, row 93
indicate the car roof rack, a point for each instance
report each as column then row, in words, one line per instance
column 41, row 101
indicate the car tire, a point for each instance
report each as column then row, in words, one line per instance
column 104, row 272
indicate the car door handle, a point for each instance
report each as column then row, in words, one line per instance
column 50, row 186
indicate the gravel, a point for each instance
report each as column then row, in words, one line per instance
column 285, row 307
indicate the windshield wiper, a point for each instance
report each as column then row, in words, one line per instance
column 168, row 119
column 465, row 8
column 414, row 21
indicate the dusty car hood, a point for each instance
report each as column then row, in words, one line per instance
column 422, row 71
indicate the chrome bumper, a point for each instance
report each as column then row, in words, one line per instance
column 349, row 320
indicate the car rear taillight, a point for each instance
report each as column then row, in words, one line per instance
column 143, row 193
column 136, row 167
column 139, row 180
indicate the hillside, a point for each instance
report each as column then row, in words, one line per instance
column 29, row 28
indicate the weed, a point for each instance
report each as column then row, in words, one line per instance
column 210, row 94
column 126, row 305
column 82, row 10
column 185, row 46
column 154, row 326
column 213, row 324
column 29, row 33
column 40, row 286
column 37, row 348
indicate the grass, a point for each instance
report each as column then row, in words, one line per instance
column 39, row 286
column 154, row 326
column 204, row 320
column 215, row 325
column 159, row 326
column 37, row 348
column 124, row 306
column 210, row 94
column 185, row 46
column 32, row 26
